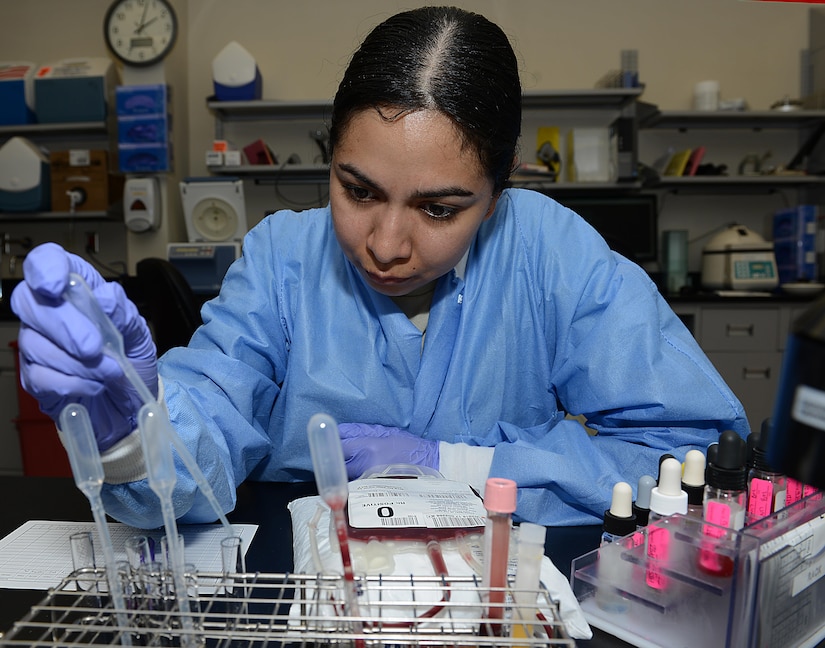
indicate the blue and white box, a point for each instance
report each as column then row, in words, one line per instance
column 235, row 74
column 74, row 90
column 134, row 100
column 143, row 129
column 25, row 181
column 145, row 158
column 17, row 93
column 794, row 243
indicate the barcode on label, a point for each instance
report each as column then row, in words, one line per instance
column 456, row 521
column 407, row 520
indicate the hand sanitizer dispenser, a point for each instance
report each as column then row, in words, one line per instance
column 141, row 204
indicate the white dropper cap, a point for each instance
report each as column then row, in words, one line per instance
column 694, row 468
column 668, row 497
column 621, row 504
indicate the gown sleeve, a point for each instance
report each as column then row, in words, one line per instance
column 226, row 379
column 622, row 362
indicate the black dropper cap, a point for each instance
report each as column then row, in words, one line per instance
column 729, row 470
column 712, row 451
column 619, row 519
column 758, row 447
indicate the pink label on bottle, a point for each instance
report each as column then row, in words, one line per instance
column 810, row 490
column 637, row 539
column 793, row 491
column 716, row 513
column 760, row 498
column 658, row 548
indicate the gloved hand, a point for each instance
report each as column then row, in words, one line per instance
column 366, row 446
column 61, row 350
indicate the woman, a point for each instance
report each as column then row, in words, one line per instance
column 442, row 319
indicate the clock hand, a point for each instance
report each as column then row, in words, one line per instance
column 146, row 24
column 143, row 17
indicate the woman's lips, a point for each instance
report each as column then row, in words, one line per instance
column 386, row 280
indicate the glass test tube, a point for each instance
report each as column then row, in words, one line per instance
column 500, row 502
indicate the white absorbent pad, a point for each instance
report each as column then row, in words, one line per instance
column 408, row 571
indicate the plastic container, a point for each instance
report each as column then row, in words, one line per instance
column 773, row 597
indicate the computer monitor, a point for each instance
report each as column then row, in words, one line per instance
column 627, row 222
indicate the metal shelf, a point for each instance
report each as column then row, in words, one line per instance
column 652, row 118
column 294, row 173
column 592, row 98
column 739, row 180
column 73, row 128
column 59, row 216
column 548, row 186
column 269, row 110
column 272, row 110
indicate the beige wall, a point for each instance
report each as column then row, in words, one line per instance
column 751, row 48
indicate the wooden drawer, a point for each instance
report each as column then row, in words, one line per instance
column 735, row 329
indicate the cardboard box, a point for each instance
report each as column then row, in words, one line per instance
column 87, row 171
column 17, row 93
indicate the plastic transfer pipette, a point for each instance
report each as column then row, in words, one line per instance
column 157, row 454
column 80, row 296
column 331, row 479
column 84, row 457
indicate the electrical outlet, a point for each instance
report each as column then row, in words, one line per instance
column 92, row 242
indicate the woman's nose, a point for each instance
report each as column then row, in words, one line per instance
column 390, row 239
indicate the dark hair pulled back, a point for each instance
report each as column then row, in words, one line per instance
column 445, row 59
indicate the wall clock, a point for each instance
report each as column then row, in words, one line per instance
column 140, row 32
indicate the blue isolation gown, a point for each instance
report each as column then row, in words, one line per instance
column 545, row 321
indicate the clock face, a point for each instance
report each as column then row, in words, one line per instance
column 140, row 32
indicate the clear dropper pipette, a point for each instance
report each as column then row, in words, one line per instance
column 87, row 468
column 331, row 479
column 78, row 294
column 160, row 468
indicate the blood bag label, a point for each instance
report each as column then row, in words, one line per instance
column 413, row 503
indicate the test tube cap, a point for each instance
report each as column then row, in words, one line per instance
column 500, row 495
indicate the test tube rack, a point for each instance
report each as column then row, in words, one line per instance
column 261, row 610
column 761, row 587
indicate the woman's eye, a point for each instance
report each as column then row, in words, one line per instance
column 439, row 212
column 359, row 194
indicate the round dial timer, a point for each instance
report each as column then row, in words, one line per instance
column 140, row 32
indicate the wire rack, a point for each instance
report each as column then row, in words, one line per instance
column 261, row 610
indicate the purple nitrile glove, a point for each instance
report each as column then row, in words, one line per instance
column 366, row 446
column 61, row 350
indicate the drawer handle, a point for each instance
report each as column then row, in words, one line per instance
column 733, row 330
column 756, row 374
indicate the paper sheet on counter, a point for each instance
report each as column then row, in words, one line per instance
column 37, row 555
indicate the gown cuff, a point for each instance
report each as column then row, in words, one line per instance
column 464, row 463
column 123, row 462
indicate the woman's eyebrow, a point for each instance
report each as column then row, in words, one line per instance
column 438, row 192
column 348, row 168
